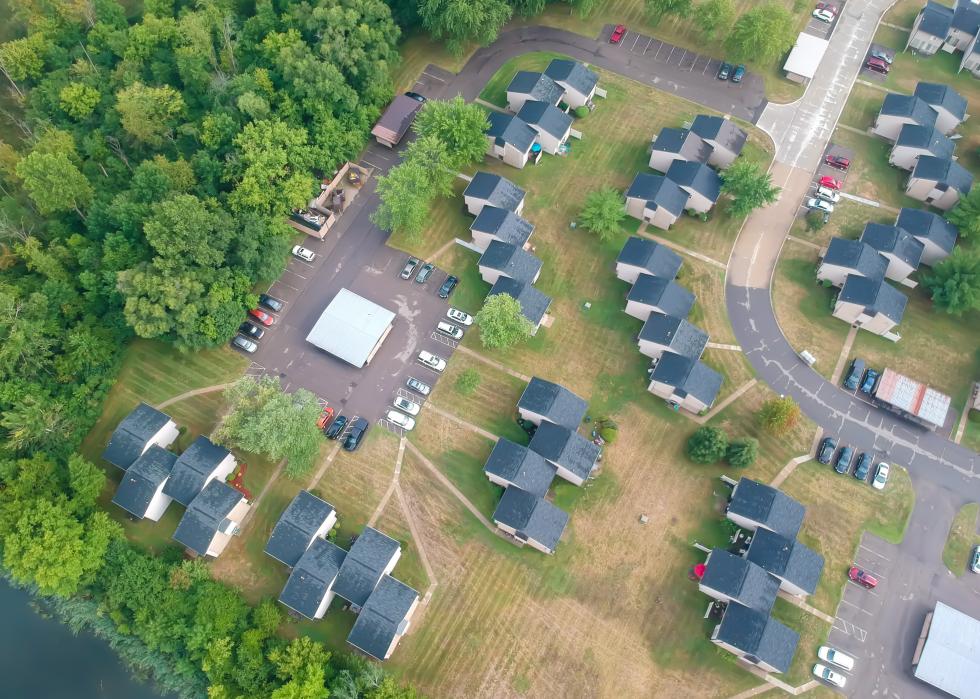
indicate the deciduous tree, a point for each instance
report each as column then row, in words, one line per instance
column 966, row 215
column 779, row 415
column 955, row 282
column 502, row 323
column 742, row 453
column 78, row 100
column 460, row 126
column 762, row 34
column 275, row 174
column 749, row 186
column 603, row 212
column 656, row 9
column 149, row 114
column 715, row 16
column 463, row 22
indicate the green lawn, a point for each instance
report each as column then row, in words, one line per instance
column 813, row 633
column 971, row 433
column 417, row 51
column 862, row 106
column 962, row 538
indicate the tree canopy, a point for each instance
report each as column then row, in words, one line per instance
column 749, row 186
column 762, row 34
column 779, row 415
column 955, row 282
column 966, row 215
column 708, row 445
column 501, row 322
column 603, row 212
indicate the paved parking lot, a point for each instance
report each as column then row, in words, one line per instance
column 826, row 170
column 868, row 74
column 820, row 28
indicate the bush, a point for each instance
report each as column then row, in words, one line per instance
column 779, row 415
column 742, row 452
column 707, row 445
column 581, row 112
column 815, row 220
column 467, row 381
column 608, row 434
column 973, row 416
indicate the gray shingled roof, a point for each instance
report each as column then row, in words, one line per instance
column 666, row 294
column 130, row 437
column 573, row 73
column 925, row 138
column 519, row 465
column 936, row 19
column 724, row 132
column 364, row 565
column 697, row 176
column 758, row 635
column 875, row 295
column 140, row 482
column 565, row 447
column 658, row 191
column 787, row 559
column 938, row 95
column 511, row 260
column 894, row 240
column 688, row 377
column 193, row 468
column 676, row 334
column 206, row 515
column 546, row 117
column 296, row 527
column 767, row 506
column 382, row 617
column 740, row 579
column 504, row 224
column 926, row 225
column 908, row 106
column 536, row 85
column 507, row 128
column 683, row 142
column 966, row 17
column 556, row 403
column 531, row 516
column 496, row 190
column 854, row 255
column 652, row 257
column 534, row 303
column 312, row 577
column 945, row 172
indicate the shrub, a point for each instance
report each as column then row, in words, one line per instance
column 707, row 445
column 779, row 415
column 467, row 381
column 815, row 220
column 742, row 452
column 608, row 434
column 581, row 112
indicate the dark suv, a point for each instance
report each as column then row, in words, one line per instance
column 863, row 466
column 724, row 71
column 870, row 379
column 271, row 302
column 854, row 374
column 448, row 286
column 358, row 429
column 826, row 451
column 336, row 427
column 844, row 460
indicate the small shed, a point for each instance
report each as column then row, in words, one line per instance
column 804, row 59
column 394, row 123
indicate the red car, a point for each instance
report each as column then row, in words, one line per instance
column 325, row 417
column 262, row 316
column 835, row 161
column 617, row 34
column 829, row 182
column 861, row 578
column 827, row 6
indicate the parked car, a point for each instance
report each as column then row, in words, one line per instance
column 863, row 466
column 843, row 464
column 870, row 379
column 824, row 15
column 450, row 330
column 877, row 65
column 826, row 451
column 304, row 254
column 837, row 162
column 724, row 71
column 448, row 286
column 418, row 386
column 882, row 55
column 409, row 269
column 358, row 429
column 820, row 204
column 406, row 405
column 738, row 73
column 617, row 34
column 460, row 317
column 415, row 96
column 881, row 476
column 244, row 344
column 272, row 303
column 336, row 427
column 862, row 578
column 975, row 560
column 828, row 194
column 262, row 317
column 325, row 417
column 829, row 182
column 424, row 273
column 251, row 330
column 827, row 675
column 403, row 421
column 835, row 657
column 854, row 374
column 827, row 6
column 432, row 361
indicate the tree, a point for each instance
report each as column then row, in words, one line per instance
column 762, row 34
column 748, row 186
column 405, row 197
column 149, row 114
column 955, row 282
column 460, row 126
column 779, row 415
column 467, row 381
column 54, row 183
column 714, row 16
column 78, row 100
column 275, row 169
column 707, row 445
column 462, row 22
column 502, row 323
column 657, row 8
column 966, row 215
column 815, row 220
column 603, row 212
column 741, row 453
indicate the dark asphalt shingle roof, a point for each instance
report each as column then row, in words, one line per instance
column 658, row 191
column 546, row 117
column 519, row 465
column 665, row 294
column 652, row 257
column 312, row 577
column 573, row 74
column 894, row 240
column 136, row 429
column 939, row 95
column 536, row 85
column 296, row 527
column 787, row 559
column 909, row 107
column 743, row 581
column 688, row 377
column 697, row 176
column 683, row 142
column 676, row 334
column 496, row 190
column 382, row 617
column 531, row 516
column 925, row 138
column 364, row 565
column 193, row 468
column 565, row 447
column 944, row 171
column 723, row 132
column 875, row 295
column 511, row 260
column 936, row 19
column 504, row 224
column 140, row 482
column 767, row 506
column 556, row 403
column 926, row 225
column 534, row 303
column 758, row 635
column 507, row 128
column 966, row 17
column 206, row 515
column 854, row 255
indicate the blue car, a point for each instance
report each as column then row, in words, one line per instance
column 843, row 464
column 738, row 73
column 870, row 379
column 826, row 451
column 854, row 374
column 863, row 466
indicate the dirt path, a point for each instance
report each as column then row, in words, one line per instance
column 323, row 467
column 391, row 486
column 413, row 527
column 679, row 248
column 195, row 392
column 451, row 488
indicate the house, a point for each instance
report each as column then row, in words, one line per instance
column 871, row 304
column 971, row 57
column 844, row 257
column 202, row 462
column 495, row 223
column 677, row 144
column 896, row 245
column 755, row 506
column 685, row 382
column 140, row 491
column 702, row 184
column 949, row 105
column 574, row 456
column 644, row 256
column 384, row 619
column 756, row 638
column 939, row 182
column 580, row 83
column 963, row 27
column 211, row 519
column 797, row 567
column 487, row 189
column 666, row 333
column 534, row 303
column 916, row 141
column 528, row 85
column 725, row 138
column 502, row 259
column 930, row 28
column 306, row 519
column 544, row 401
column 530, row 519
column 656, row 200
column 898, row 111
column 937, row 235
column 393, row 124
column 731, row 578
column 651, row 294
column 552, row 125
column 510, row 139
column 372, row 556
column 309, row 589
column 140, row 430
column 511, row 464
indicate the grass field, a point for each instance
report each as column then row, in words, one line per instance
column 962, row 538
column 870, row 175
column 848, row 221
column 971, row 433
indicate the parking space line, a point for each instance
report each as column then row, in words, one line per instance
column 433, row 77
column 670, row 54
column 292, row 272
column 862, row 546
column 367, row 162
column 634, row 42
column 657, row 55
column 706, row 65
column 649, row 41
column 857, row 607
column 279, row 282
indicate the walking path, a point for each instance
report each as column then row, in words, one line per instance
column 844, row 354
column 196, row 392
column 451, row 488
column 754, row 692
column 701, row 419
column 964, row 416
column 788, row 469
column 852, row 129
column 872, row 85
column 809, row 609
column 391, row 486
column 258, row 498
column 804, row 242
column 417, row 538
column 679, row 248
column 323, row 467
column 491, row 362
column 442, row 250
column 462, row 423
column 721, row 346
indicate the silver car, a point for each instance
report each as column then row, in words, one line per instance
column 813, row 203
column 975, row 560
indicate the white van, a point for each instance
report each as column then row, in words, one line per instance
column 453, row 331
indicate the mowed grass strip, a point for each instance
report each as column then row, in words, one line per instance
column 447, row 220
column 848, row 221
column 495, row 91
column 962, row 538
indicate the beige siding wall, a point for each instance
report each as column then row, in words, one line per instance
column 946, row 122
column 888, row 126
column 897, row 269
column 490, row 276
column 635, row 207
column 158, row 504
column 661, row 161
column 932, row 253
column 508, row 154
column 639, row 310
column 474, row 205
column 516, row 100
column 549, row 144
column 836, row 275
column 628, row 273
column 925, row 190
column 661, row 218
column 697, row 201
column 482, row 240
column 651, row 349
column 957, row 40
column 905, row 157
column 855, row 315
column 531, row 417
column 689, row 402
column 720, row 156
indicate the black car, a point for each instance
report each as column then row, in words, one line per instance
column 251, row 330
column 725, row 71
column 854, row 374
column 738, row 73
column 334, row 429
column 271, row 302
column 415, row 96
column 448, row 286
column 870, row 379
column 863, row 466
column 358, row 429
column 826, row 451
column 843, row 464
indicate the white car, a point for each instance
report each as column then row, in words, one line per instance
column 418, row 386
column 827, row 675
column 403, row 421
column 406, row 405
column 835, row 657
column 824, row 15
column 828, row 194
column 813, row 203
column 459, row 316
column 432, row 361
column 450, row 330
column 881, row 477
column 303, row 253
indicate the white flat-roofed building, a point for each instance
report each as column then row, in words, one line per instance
column 352, row 328
column 804, row 59
column 948, row 652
